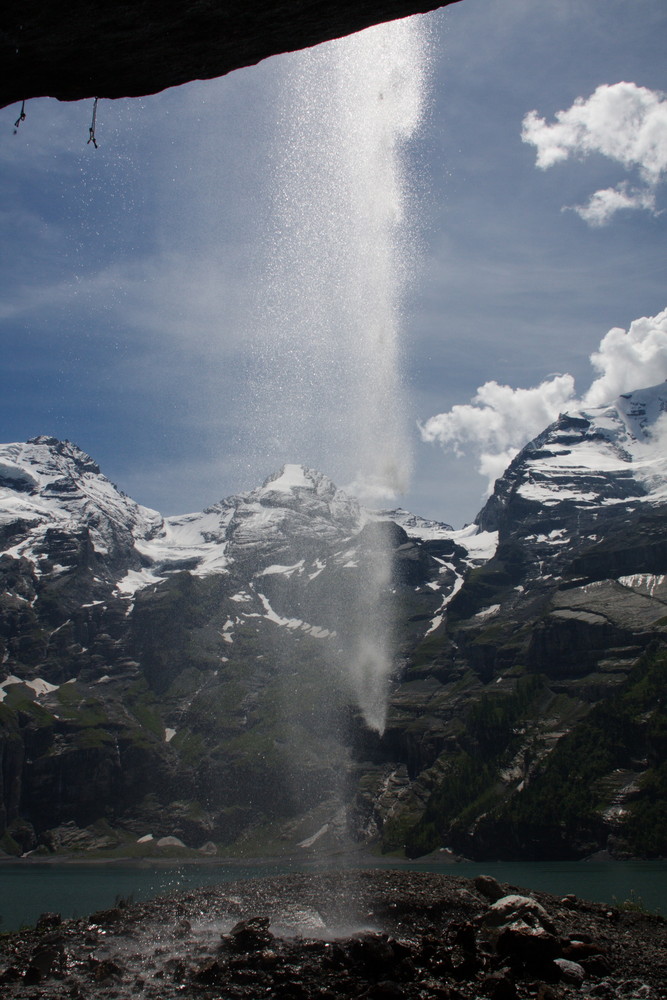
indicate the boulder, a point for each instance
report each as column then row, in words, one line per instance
column 570, row 972
column 516, row 911
column 170, row 842
column 209, row 849
column 522, row 931
column 250, row 935
column 488, row 887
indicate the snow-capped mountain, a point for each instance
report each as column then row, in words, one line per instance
column 61, row 515
column 50, row 487
column 292, row 553
column 600, row 456
column 574, row 593
column 100, row 597
column 295, row 510
column 185, row 675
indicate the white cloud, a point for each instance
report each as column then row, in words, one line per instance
column 500, row 420
column 623, row 122
column 631, row 360
column 602, row 205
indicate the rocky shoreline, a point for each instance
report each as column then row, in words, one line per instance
column 371, row 934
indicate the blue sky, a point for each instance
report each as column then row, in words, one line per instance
column 129, row 271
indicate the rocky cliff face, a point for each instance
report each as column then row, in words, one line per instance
column 183, row 676
column 82, row 49
column 189, row 676
column 543, row 636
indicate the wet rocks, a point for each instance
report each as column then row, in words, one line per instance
column 250, row 935
column 48, row 921
column 46, row 960
column 522, row 931
column 433, row 938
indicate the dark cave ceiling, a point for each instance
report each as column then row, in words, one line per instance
column 85, row 48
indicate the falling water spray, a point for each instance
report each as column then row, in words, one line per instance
column 329, row 390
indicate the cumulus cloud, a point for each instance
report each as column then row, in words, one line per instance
column 632, row 360
column 500, row 420
column 623, row 122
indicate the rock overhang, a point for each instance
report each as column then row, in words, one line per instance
column 89, row 49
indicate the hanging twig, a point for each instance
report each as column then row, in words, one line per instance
column 21, row 118
column 91, row 130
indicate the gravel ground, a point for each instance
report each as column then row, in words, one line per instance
column 369, row 934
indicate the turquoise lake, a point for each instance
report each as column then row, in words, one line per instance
column 75, row 890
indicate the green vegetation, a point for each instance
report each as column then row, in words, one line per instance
column 492, row 720
column 491, row 735
column 144, row 706
column 83, row 710
column 633, row 904
column 566, row 799
column 646, row 826
column 465, row 782
column 93, row 739
column 9, row 845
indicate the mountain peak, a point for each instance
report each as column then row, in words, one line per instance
column 590, row 457
column 67, row 450
column 52, row 489
column 640, row 410
column 301, row 488
column 293, row 476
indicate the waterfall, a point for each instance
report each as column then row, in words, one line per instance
column 327, row 388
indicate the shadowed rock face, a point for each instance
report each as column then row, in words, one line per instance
column 89, row 49
column 186, row 676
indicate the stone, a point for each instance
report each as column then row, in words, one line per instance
column 596, row 965
column 570, row 972
column 47, row 960
column 386, row 989
column 182, row 928
column 514, row 909
column 532, row 946
column 545, row 992
column 104, row 917
column 604, row 990
column 211, row 974
column 10, row 975
column 32, row 976
column 104, row 969
column 48, row 921
column 488, row 887
column 296, row 919
column 577, row 950
column 170, row 842
column 152, row 962
column 499, row 986
column 373, row 953
column 250, row 935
